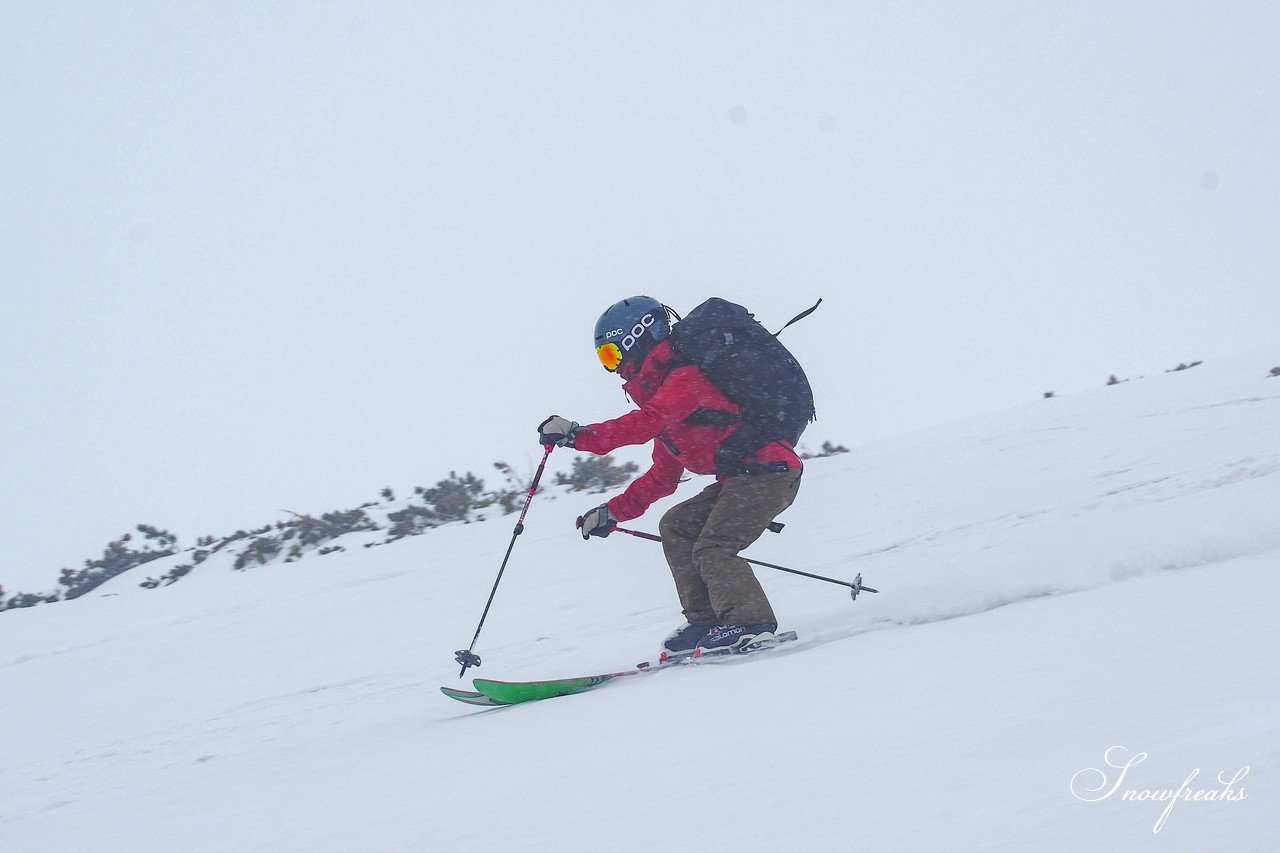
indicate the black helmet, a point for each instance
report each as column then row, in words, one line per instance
column 629, row 330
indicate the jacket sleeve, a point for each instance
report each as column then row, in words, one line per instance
column 680, row 396
column 660, row 480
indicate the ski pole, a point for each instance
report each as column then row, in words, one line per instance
column 467, row 657
column 855, row 587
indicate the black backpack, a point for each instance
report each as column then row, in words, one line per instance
column 753, row 369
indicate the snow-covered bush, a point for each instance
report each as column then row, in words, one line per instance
column 595, row 474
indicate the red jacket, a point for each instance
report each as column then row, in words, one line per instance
column 666, row 397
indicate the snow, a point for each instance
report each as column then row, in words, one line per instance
column 1088, row 572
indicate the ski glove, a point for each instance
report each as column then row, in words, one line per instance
column 597, row 522
column 558, row 431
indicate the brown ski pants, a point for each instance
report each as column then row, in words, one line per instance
column 703, row 535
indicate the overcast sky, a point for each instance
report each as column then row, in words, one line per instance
column 263, row 257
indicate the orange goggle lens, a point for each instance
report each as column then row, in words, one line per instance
column 610, row 356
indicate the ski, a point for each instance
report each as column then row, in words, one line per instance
column 514, row 692
column 471, row 697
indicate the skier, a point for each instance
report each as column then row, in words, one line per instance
column 687, row 418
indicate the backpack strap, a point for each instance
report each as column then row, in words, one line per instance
column 800, row 316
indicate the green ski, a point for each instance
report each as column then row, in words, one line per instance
column 514, row 692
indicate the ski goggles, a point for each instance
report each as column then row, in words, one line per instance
column 610, row 356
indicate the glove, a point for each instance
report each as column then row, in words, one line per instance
column 558, row 431
column 597, row 522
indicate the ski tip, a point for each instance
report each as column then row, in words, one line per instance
column 471, row 697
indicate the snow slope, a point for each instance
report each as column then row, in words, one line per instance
column 1087, row 572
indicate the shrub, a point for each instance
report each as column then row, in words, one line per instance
column 261, row 550
column 454, row 498
column 301, row 534
column 168, row 577
column 595, row 474
column 828, row 449
column 409, row 521
column 27, row 599
column 119, row 557
column 509, row 497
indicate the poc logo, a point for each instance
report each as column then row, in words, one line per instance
column 637, row 331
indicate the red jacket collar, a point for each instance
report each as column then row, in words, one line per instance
column 651, row 373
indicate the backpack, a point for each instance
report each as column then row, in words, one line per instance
column 753, row 369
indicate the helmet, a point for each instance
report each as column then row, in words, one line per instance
column 629, row 330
